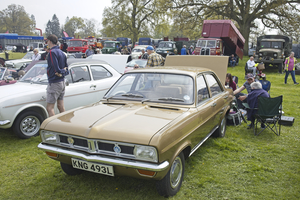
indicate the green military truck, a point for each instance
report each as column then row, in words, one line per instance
column 110, row 47
column 173, row 47
column 273, row 50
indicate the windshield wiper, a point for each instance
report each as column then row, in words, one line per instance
column 132, row 95
column 170, row 99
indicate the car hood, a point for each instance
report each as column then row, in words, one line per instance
column 135, row 123
column 20, row 89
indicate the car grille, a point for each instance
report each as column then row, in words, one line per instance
column 94, row 146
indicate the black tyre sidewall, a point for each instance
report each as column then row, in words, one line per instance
column 20, row 117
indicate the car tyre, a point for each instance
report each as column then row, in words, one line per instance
column 70, row 170
column 220, row 132
column 27, row 124
column 171, row 183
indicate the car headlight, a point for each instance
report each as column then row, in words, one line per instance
column 145, row 153
column 48, row 136
column 260, row 54
column 275, row 55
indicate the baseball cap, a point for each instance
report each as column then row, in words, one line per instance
column 250, row 76
column 149, row 48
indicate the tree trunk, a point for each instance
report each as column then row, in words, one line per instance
column 245, row 31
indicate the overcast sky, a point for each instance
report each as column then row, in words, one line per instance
column 44, row 10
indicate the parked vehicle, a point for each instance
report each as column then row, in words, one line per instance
column 221, row 37
column 18, row 63
column 36, row 45
column 146, row 126
column 273, row 50
column 168, row 47
column 130, row 65
column 23, row 104
column 78, row 46
column 137, row 51
column 13, row 51
column 124, row 41
column 146, row 41
column 118, row 62
column 110, row 47
column 6, row 76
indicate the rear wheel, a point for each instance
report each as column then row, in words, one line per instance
column 27, row 124
column 70, row 170
column 171, row 183
column 220, row 132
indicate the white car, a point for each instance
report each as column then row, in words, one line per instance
column 23, row 104
column 18, row 63
column 137, row 51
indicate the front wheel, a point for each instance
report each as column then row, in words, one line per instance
column 28, row 124
column 171, row 183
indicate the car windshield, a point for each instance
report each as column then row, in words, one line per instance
column 154, row 87
column 28, row 55
column 141, row 63
column 206, row 43
column 75, row 43
column 37, row 74
column 265, row 44
column 109, row 44
column 165, row 44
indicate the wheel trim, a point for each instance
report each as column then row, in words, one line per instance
column 30, row 125
column 176, row 172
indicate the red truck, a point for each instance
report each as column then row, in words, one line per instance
column 220, row 37
column 78, row 46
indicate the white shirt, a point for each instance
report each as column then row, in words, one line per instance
column 250, row 63
column 36, row 56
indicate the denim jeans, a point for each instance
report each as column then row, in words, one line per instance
column 232, row 63
column 287, row 74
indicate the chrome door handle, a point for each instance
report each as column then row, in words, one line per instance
column 213, row 105
column 94, row 86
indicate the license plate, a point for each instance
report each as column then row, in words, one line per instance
column 93, row 167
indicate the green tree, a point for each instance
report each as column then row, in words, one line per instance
column 131, row 18
column 74, row 25
column 272, row 13
column 15, row 20
column 55, row 26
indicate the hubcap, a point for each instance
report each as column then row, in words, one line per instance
column 30, row 125
column 176, row 172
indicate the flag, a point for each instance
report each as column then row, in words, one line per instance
column 66, row 34
column 7, row 31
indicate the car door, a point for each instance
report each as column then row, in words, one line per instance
column 102, row 80
column 205, row 107
column 79, row 92
column 218, row 96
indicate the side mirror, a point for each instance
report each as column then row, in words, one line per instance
column 66, row 82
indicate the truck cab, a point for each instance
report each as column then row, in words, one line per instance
column 110, row 47
column 273, row 50
column 167, row 48
column 209, row 46
column 78, row 46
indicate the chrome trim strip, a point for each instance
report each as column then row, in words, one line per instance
column 201, row 142
column 105, row 160
column 4, row 122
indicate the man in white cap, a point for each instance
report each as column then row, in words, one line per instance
column 154, row 59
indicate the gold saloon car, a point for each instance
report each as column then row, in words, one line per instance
column 146, row 125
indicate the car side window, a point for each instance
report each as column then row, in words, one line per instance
column 78, row 74
column 202, row 91
column 213, row 84
column 99, row 72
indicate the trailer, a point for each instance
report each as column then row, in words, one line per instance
column 220, row 37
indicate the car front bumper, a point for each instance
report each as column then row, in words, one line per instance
column 104, row 159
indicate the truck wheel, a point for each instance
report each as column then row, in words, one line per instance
column 68, row 169
column 220, row 132
column 27, row 124
column 171, row 183
column 280, row 68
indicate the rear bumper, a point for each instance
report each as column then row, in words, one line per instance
column 104, row 159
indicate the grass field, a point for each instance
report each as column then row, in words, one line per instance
column 238, row 166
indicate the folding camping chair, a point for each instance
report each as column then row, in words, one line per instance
column 266, row 85
column 269, row 113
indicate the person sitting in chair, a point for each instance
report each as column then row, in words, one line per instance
column 251, row 65
column 252, row 101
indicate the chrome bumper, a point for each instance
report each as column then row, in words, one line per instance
column 4, row 122
column 105, row 160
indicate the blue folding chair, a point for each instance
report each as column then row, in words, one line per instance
column 266, row 85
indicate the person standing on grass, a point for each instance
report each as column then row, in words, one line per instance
column 290, row 68
column 56, row 71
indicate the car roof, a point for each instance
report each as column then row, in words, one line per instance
column 186, row 70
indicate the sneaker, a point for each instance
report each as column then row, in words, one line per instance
column 249, row 126
column 296, row 83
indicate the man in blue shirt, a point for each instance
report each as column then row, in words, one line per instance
column 57, row 69
column 183, row 50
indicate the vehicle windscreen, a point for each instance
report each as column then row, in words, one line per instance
column 141, row 63
column 75, row 43
column 277, row 45
column 37, row 74
column 164, row 45
column 265, row 44
column 154, row 87
column 109, row 44
column 28, row 55
column 206, row 43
